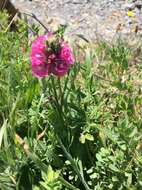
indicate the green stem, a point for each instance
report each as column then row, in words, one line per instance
column 54, row 90
column 75, row 167
column 65, row 87
column 60, row 91
column 67, row 184
column 89, row 155
column 61, row 97
column 58, row 105
column 62, row 103
column 68, row 155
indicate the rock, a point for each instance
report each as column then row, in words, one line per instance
column 90, row 18
column 129, row 6
column 138, row 5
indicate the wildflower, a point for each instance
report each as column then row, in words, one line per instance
column 64, row 60
column 50, row 57
column 130, row 14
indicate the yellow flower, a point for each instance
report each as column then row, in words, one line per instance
column 130, row 14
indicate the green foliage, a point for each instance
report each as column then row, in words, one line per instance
column 80, row 132
column 50, row 180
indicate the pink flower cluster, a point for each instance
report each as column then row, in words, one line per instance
column 44, row 61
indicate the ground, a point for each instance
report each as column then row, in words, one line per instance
column 103, row 18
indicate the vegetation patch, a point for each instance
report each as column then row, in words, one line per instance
column 80, row 130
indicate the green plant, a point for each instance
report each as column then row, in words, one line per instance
column 80, row 132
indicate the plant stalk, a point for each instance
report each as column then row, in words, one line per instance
column 75, row 167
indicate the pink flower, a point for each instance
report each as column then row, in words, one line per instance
column 45, row 61
column 66, row 54
column 64, row 60
column 39, row 57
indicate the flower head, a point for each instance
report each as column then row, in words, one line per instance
column 50, row 57
column 64, row 60
column 130, row 14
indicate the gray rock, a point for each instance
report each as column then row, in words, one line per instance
column 87, row 17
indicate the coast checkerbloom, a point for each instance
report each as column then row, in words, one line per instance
column 53, row 57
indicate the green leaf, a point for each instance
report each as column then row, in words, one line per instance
column 82, row 138
column 2, row 131
column 129, row 178
column 113, row 168
column 94, row 175
column 50, row 174
column 89, row 137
